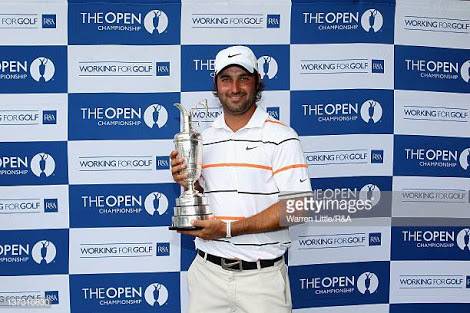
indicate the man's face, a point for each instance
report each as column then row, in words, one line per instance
column 236, row 89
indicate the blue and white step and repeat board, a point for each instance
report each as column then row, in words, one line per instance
column 379, row 92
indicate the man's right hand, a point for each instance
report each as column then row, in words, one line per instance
column 178, row 169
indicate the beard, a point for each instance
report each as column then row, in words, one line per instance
column 238, row 108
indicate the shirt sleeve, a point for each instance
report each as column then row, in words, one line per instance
column 290, row 171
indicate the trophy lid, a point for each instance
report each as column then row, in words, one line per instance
column 186, row 117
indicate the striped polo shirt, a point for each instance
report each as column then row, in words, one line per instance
column 243, row 173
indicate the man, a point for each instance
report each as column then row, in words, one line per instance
column 248, row 158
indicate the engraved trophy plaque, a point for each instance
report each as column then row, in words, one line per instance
column 191, row 205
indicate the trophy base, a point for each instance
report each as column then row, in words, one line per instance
column 184, row 228
column 186, row 221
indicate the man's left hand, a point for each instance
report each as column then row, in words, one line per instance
column 211, row 229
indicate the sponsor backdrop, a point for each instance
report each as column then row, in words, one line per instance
column 378, row 91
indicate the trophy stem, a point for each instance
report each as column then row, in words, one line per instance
column 191, row 190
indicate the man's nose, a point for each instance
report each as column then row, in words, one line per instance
column 235, row 88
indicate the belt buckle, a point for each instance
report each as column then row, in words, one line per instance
column 229, row 265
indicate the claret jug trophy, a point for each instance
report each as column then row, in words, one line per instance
column 191, row 205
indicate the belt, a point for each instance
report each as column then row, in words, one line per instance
column 237, row 265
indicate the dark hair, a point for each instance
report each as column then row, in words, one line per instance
column 258, row 81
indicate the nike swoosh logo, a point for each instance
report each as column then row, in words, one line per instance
column 233, row 55
column 302, row 180
column 250, row 148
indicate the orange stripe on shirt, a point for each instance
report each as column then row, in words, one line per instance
column 230, row 218
column 288, row 167
column 261, row 167
column 275, row 122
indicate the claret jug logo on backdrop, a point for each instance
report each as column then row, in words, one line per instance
column 371, row 20
column 199, row 60
column 367, row 283
column 41, row 69
column 156, row 116
column 370, row 192
column 267, row 66
column 156, row 22
column 44, row 252
column 465, row 159
column 120, row 23
column 339, row 284
column 342, row 112
column 463, row 239
column 33, row 69
column 123, row 116
column 432, row 156
column 156, row 294
column 121, row 205
column 156, row 203
column 30, row 164
column 43, row 165
column 137, row 292
column 326, row 23
column 433, row 243
column 24, row 252
column 465, row 71
column 372, row 189
column 367, row 192
column 371, row 111
column 433, row 69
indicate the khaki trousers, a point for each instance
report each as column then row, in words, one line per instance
column 215, row 290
